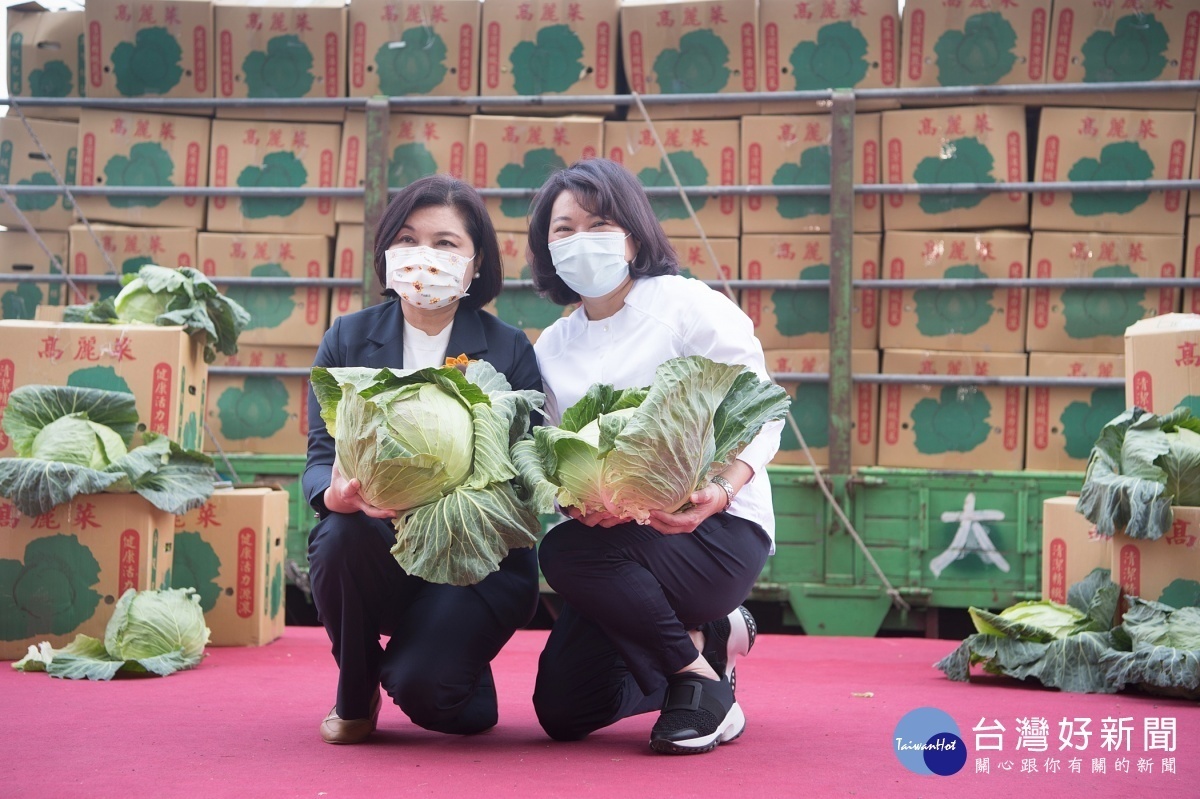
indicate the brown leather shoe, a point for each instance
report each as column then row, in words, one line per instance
column 337, row 730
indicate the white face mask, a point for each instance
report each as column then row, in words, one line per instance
column 425, row 277
column 591, row 264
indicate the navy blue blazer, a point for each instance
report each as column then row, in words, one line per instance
column 375, row 337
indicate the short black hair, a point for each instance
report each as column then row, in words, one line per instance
column 444, row 190
column 609, row 190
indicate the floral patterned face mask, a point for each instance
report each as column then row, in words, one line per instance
column 425, row 277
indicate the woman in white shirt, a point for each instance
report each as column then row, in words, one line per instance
column 438, row 262
column 652, row 617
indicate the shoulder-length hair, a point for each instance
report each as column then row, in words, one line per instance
column 443, row 190
column 609, row 190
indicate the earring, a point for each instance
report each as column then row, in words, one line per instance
column 476, row 273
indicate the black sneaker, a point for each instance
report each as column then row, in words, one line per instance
column 727, row 639
column 697, row 714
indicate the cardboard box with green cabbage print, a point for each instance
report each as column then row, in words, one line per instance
column 348, row 263
column 418, row 145
column 794, row 151
column 162, row 367
column 276, row 49
column 278, row 315
column 1162, row 363
column 956, row 427
column 128, row 249
column 1083, row 319
column 828, row 44
column 273, row 155
column 810, row 407
column 1084, row 144
column 63, row 572
column 1065, row 421
column 1121, row 42
column 961, row 320
column 21, row 255
column 1191, row 267
column 261, row 414
column 428, row 47
column 799, row 319
column 129, row 149
column 554, row 48
column 151, row 48
column 702, row 153
column 521, row 152
column 47, row 57
column 958, row 144
column 522, row 307
column 989, row 43
column 231, row 550
column 695, row 261
column 22, row 163
column 691, row 47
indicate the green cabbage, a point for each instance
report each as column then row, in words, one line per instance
column 162, row 296
column 1134, row 50
column 148, row 164
column 836, row 60
column 155, row 632
column 553, row 64
column 149, row 64
column 980, row 54
column 955, row 422
column 1164, row 650
column 963, row 160
column 72, row 441
column 1123, row 160
column 636, row 450
column 697, row 66
column 283, row 70
column 53, row 80
column 946, row 312
column 50, row 591
column 435, row 445
column 1091, row 312
column 1141, row 465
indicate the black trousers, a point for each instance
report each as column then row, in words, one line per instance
column 436, row 666
column 631, row 596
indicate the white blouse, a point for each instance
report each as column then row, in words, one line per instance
column 663, row 317
column 422, row 350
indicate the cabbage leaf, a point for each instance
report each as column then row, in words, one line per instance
column 636, row 450
column 435, row 445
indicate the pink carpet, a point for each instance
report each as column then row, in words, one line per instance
column 821, row 716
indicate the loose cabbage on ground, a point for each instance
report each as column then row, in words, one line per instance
column 435, row 445
column 73, row 441
column 162, row 296
column 630, row 451
column 150, row 632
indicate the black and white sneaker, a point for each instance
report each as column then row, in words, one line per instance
column 697, row 715
column 727, row 639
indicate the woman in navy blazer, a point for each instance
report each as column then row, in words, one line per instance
column 436, row 665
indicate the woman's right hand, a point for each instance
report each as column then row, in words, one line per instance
column 342, row 497
column 597, row 518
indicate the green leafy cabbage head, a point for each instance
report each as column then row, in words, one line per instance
column 258, row 409
column 964, row 160
column 37, row 202
column 162, row 631
column 836, row 60
column 635, row 450
column 691, row 172
column 50, row 592
column 948, row 312
column 410, row 162
column 955, row 422
column 149, row 64
column 1133, row 51
column 813, row 170
column 283, row 70
column 436, row 446
column 20, row 302
column 1140, row 466
column 1125, row 160
column 1089, row 312
column 1083, row 421
column 553, row 64
column 801, row 312
column 810, row 409
column 980, row 54
column 1162, row 651
column 52, row 80
column 537, row 165
column 414, row 64
column 147, row 164
column 523, row 308
column 268, row 306
column 196, row 567
column 130, row 266
column 279, row 170
column 699, row 65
